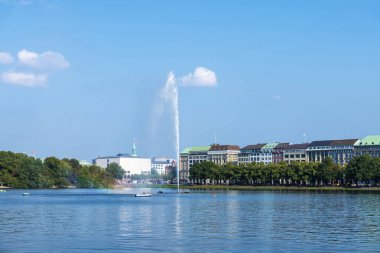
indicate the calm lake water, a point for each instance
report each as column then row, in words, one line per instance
column 79, row 220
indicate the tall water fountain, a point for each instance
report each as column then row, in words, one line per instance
column 170, row 94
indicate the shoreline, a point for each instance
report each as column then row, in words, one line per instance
column 331, row 189
column 283, row 188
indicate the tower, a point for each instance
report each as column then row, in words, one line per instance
column 134, row 154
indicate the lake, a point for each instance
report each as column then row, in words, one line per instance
column 86, row 220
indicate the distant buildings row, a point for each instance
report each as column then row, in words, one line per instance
column 134, row 165
column 341, row 152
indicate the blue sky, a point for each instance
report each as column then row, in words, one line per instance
column 81, row 78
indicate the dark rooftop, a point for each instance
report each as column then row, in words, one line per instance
column 224, row 147
column 282, row 145
column 297, row 146
column 348, row 142
column 321, row 143
column 256, row 146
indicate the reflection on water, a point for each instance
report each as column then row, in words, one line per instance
column 231, row 221
column 178, row 221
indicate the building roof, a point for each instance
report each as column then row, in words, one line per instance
column 185, row 151
column 320, row 143
column 282, row 145
column 270, row 145
column 256, row 146
column 297, row 146
column 123, row 156
column 348, row 142
column 370, row 140
column 195, row 149
column 224, row 147
column 332, row 143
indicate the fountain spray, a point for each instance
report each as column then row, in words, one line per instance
column 170, row 94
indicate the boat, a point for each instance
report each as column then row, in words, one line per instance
column 25, row 194
column 144, row 194
column 1, row 190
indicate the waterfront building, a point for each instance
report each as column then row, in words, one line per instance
column 278, row 152
column 265, row 155
column 131, row 164
column 295, row 153
column 190, row 156
column 222, row 154
column 317, row 151
column 369, row 145
column 341, row 151
column 160, row 164
column 250, row 153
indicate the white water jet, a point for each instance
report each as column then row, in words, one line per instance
column 170, row 95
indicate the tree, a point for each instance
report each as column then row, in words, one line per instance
column 115, row 170
column 56, row 172
column 361, row 169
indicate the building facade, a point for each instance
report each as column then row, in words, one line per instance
column 266, row 153
column 295, row 153
column 369, row 145
column 318, row 151
column 222, row 154
column 190, row 156
column 160, row 164
column 278, row 152
column 131, row 164
column 250, row 153
column 341, row 151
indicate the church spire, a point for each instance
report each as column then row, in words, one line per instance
column 134, row 154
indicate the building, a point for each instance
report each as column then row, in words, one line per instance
column 132, row 165
column 160, row 164
column 317, row 151
column 84, row 163
column 369, row 145
column 250, row 153
column 295, row 153
column 265, row 155
column 341, row 151
column 190, row 156
column 278, row 152
column 222, row 154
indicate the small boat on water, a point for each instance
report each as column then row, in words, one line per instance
column 144, row 194
column 25, row 194
column 2, row 190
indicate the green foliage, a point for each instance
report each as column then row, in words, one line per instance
column 361, row 169
column 21, row 171
column 115, row 170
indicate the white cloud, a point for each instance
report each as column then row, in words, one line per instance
column 24, row 79
column 46, row 60
column 6, row 58
column 200, row 77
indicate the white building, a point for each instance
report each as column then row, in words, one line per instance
column 159, row 164
column 131, row 164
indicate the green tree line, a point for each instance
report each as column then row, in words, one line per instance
column 361, row 170
column 22, row 171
